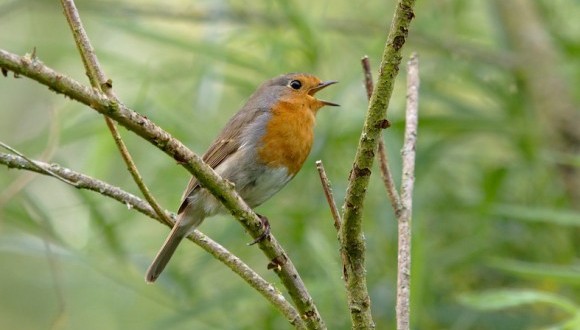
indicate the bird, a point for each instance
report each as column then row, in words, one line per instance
column 260, row 149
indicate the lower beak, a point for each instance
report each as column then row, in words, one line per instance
column 330, row 103
column 321, row 86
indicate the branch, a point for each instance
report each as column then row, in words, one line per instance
column 386, row 172
column 328, row 194
column 42, row 170
column 101, row 83
column 82, row 181
column 407, row 181
column 351, row 236
column 388, row 181
column 333, row 209
column 34, row 69
column 86, row 50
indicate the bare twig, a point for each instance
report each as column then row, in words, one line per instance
column 407, row 181
column 145, row 128
column 369, row 85
column 328, row 193
column 326, row 186
column 351, row 234
column 80, row 181
column 219, row 252
column 386, row 173
column 388, row 181
column 46, row 171
column 135, row 172
column 99, row 81
column 88, row 56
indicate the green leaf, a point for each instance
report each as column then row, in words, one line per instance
column 538, row 214
column 502, row 299
column 563, row 274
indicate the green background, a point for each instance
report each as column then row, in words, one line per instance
column 496, row 235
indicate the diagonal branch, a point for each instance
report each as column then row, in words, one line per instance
column 351, row 235
column 82, row 181
column 386, row 172
column 100, row 82
column 145, row 128
column 327, row 188
column 33, row 163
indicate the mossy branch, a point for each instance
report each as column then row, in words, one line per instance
column 351, row 235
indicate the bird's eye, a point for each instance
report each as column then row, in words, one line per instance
column 295, row 84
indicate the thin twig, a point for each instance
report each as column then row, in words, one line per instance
column 145, row 128
column 91, row 63
column 328, row 193
column 388, row 181
column 135, row 172
column 369, row 85
column 81, row 181
column 326, row 186
column 351, row 233
column 99, row 81
column 219, row 252
column 33, row 163
column 386, row 173
column 407, row 182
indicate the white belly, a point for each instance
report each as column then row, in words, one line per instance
column 254, row 182
column 264, row 185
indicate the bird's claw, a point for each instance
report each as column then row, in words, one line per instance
column 265, row 233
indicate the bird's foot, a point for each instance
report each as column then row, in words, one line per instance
column 266, row 228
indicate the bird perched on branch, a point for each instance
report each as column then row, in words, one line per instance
column 260, row 149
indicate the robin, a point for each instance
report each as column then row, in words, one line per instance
column 260, row 149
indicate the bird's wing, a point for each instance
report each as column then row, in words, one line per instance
column 227, row 143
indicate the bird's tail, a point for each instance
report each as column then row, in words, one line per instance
column 169, row 246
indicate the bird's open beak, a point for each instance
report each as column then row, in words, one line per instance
column 323, row 85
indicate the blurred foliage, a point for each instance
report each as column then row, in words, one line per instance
column 492, row 210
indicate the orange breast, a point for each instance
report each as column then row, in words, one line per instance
column 288, row 137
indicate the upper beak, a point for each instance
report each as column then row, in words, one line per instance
column 323, row 85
